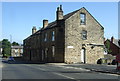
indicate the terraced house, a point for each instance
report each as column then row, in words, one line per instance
column 76, row 37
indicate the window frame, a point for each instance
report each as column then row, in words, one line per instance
column 53, row 50
column 84, row 35
column 45, row 37
column 53, row 35
column 82, row 19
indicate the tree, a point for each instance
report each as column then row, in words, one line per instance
column 107, row 45
column 15, row 44
column 6, row 45
column 0, row 44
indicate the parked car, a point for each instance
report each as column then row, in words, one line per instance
column 114, row 62
column 10, row 59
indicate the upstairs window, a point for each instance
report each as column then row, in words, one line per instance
column 82, row 19
column 45, row 39
column 53, row 35
column 84, row 34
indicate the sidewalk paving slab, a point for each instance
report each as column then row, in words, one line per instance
column 91, row 67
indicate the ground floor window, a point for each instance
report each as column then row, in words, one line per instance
column 53, row 51
column 42, row 55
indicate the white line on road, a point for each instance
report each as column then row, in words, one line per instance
column 74, row 68
column 56, row 73
column 36, row 68
column 64, row 75
column 109, row 74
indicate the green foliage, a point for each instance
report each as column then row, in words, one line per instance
column 6, row 45
column 108, row 46
column 0, row 44
column 15, row 44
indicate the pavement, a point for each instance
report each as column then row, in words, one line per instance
column 53, row 71
column 103, row 68
column 91, row 67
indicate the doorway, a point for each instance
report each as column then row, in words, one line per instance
column 83, row 55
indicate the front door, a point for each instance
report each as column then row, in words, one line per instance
column 83, row 60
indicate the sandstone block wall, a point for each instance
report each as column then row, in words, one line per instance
column 73, row 37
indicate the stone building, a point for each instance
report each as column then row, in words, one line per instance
column 16, row 51
column 113, row 48
column 76, row 37
column 0, row 48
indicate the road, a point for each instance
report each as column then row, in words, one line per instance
column 49, row 71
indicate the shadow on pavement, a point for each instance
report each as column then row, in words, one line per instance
column 21, row 62
column 59, row 80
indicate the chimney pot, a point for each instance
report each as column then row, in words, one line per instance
column 61, row 7
column 59, row 13
column 45, row 23
column 112, row 39
column 34, row 29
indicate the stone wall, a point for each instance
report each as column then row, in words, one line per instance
column 68, row 41
column 37, row 49
column 73, row 38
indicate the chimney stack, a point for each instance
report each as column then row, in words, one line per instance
column 112, row 39
column 119, row 42
column 34, row 29
column 59, row 13
column 45, row 23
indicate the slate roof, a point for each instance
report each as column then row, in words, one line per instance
column 17, row 47
column 54, row 23
column 115, row 41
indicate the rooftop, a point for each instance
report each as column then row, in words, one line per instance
column 17, row 47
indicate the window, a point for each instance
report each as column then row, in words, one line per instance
column 82, row 19
column 84, row 35
column 25, row 43
column 42, row 55
column 53, row 35
column 46, row 52
column 45, row 39
column 53, row 51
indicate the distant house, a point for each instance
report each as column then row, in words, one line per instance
column 113, row 47
column 0, row 48
column 16, row 51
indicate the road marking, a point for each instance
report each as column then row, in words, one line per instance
column 66, row 76
column 55, row 73
column 36, row 68
column 73, row 68
column 63, row 75
column 109, row 74
column 112, row 74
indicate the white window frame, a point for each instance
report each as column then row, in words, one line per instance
column 82, row 19
column 84, row 34
column 53, row 35
column 45, row 37
column 53, row 51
